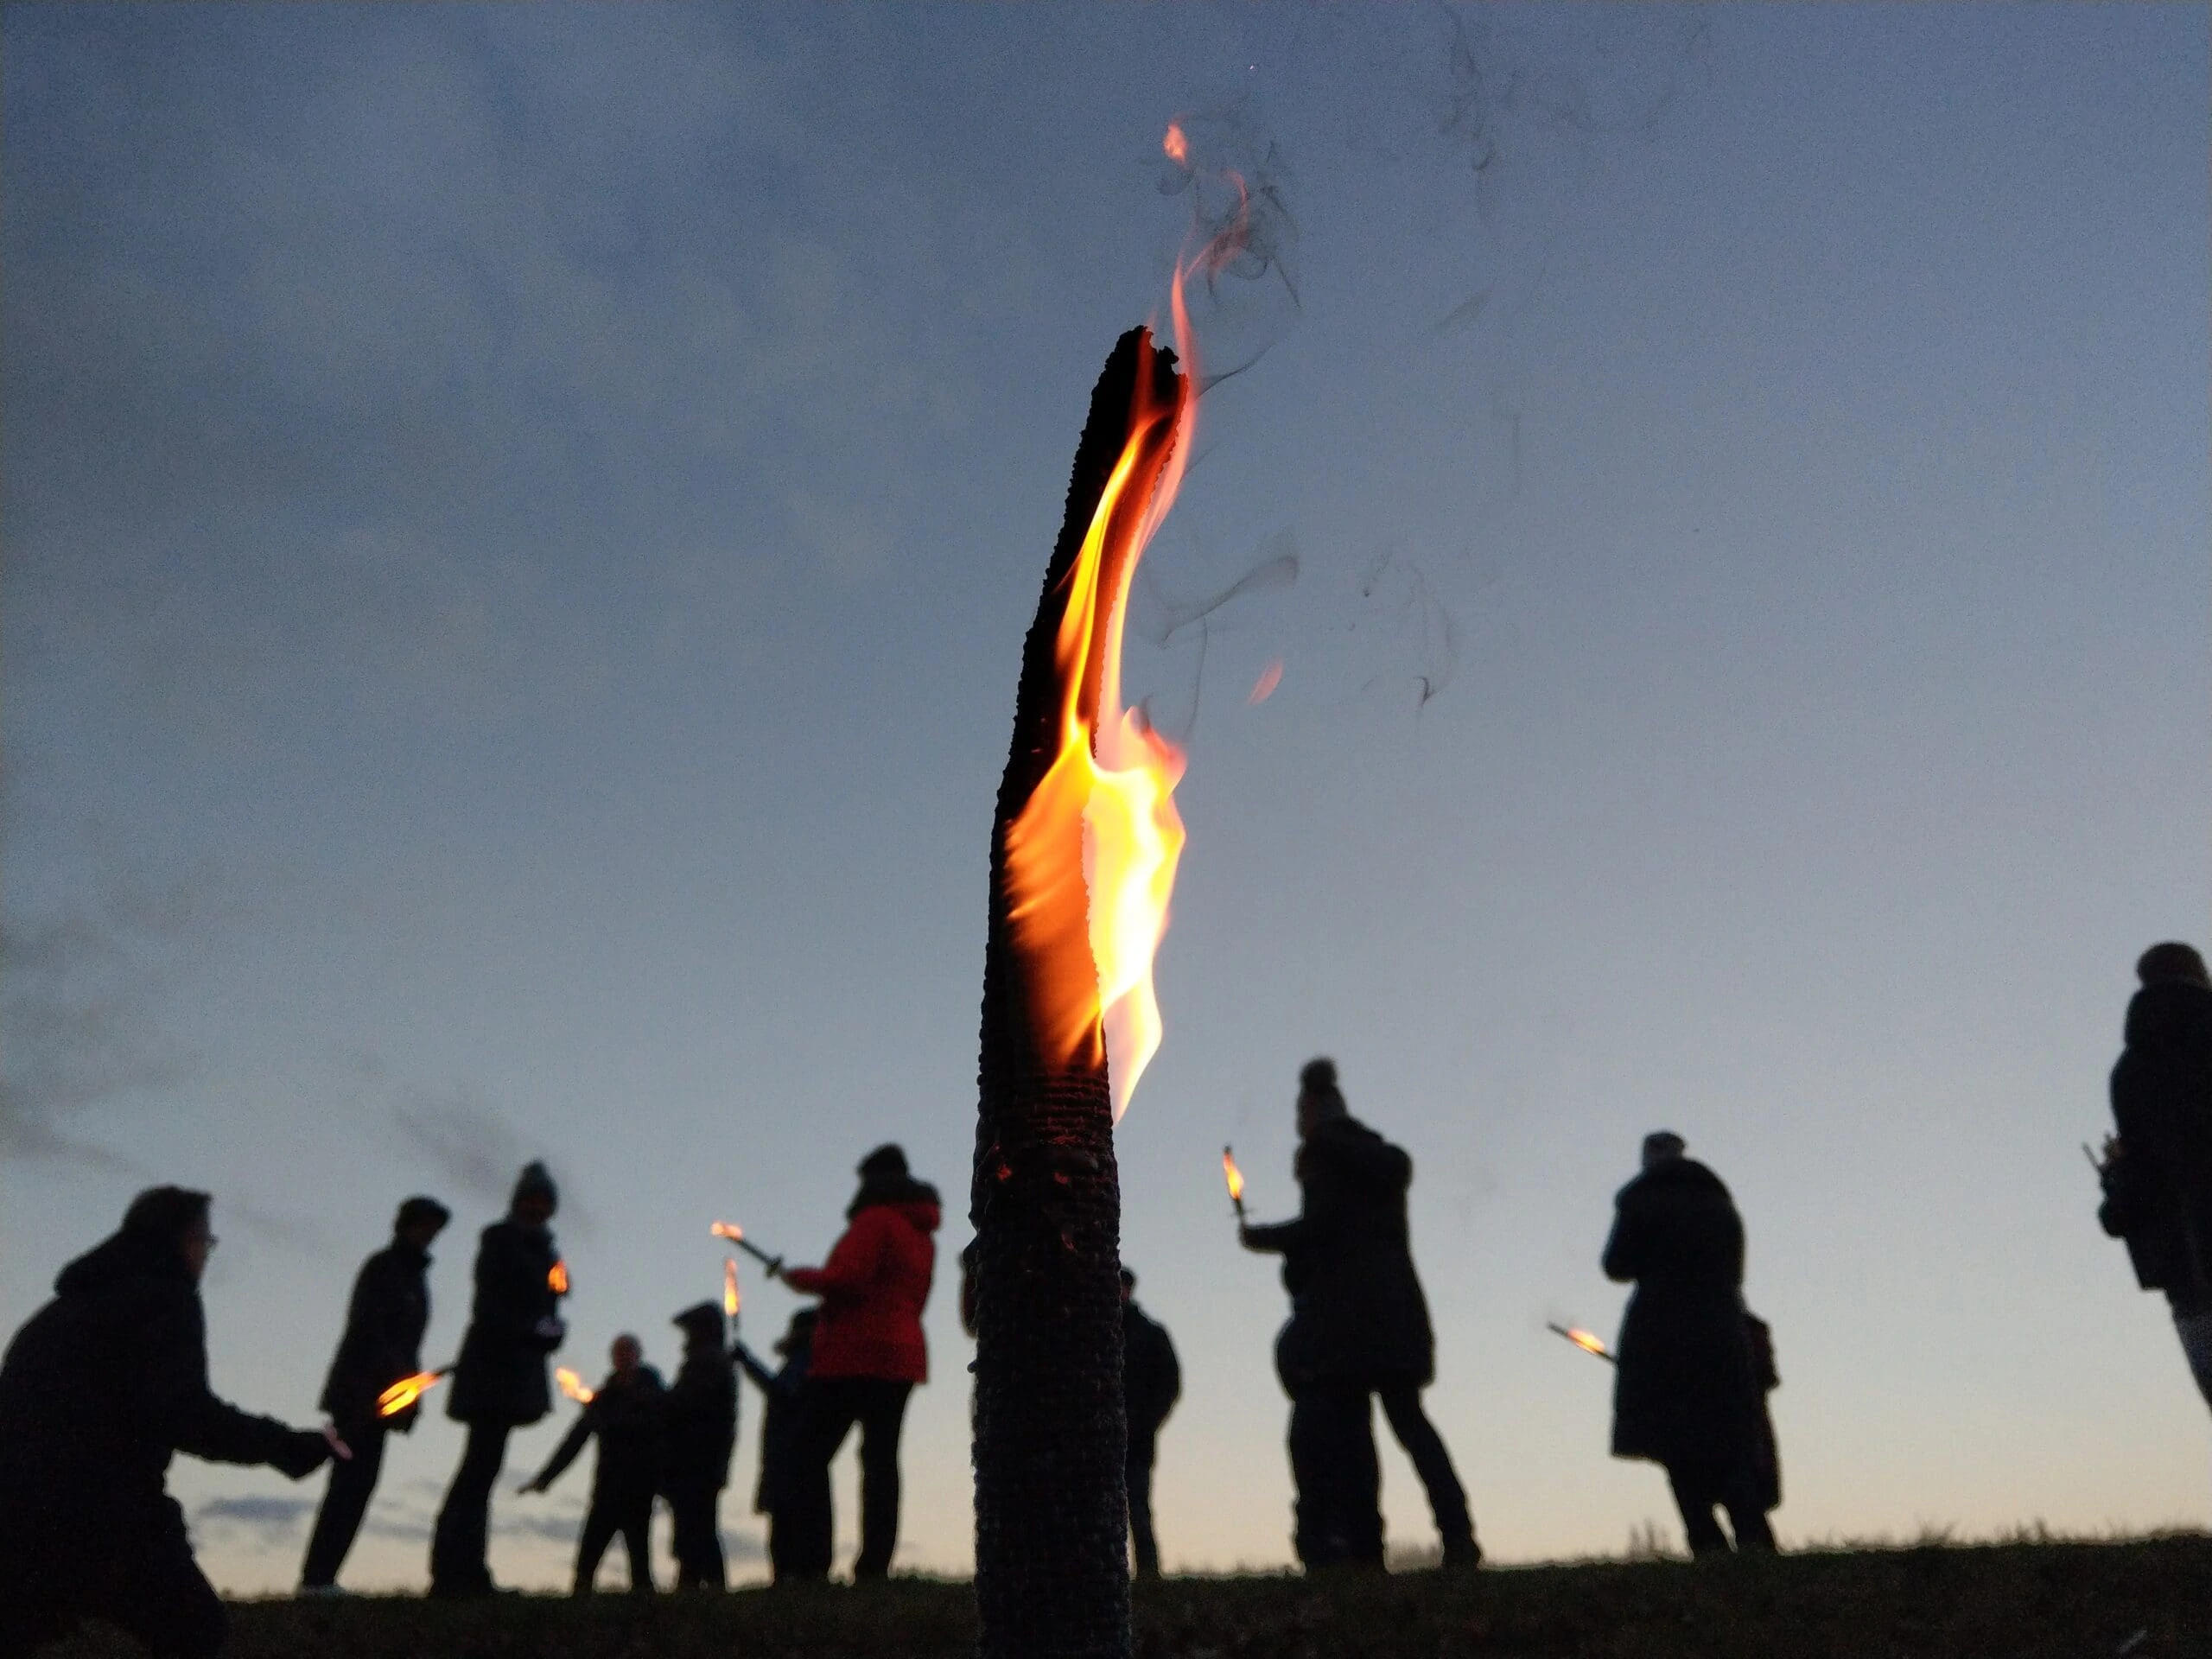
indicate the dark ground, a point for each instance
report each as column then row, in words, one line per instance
column 2079, row 1601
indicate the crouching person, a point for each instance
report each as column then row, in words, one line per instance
column 97, row 1391
column 625, row 1415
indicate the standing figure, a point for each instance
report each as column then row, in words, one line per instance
column 699, row 1431
column 382, row 1344
column 1358, row 1327
column 868, row 1354
column 98, row 1391
column 1688, row 1390
column 780, row 1423
column 2157, row 1171
column 624, row 1415
column 499, row 1382
column 1151, row 1382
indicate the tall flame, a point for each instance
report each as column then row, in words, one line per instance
column 730, row 1300
column 573, row 1386
column 556, row 1278
column 1233, row 1175
column 405, row 1392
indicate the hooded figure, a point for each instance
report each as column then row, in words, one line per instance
column 868, row 1353
column 2157, row 1170
column 1358, row 1326
column 1687, row 1390
column 779, row 1426
column 500, row 1383
column 382, row 1344
column 624, row 1415
column 699, row 1432
column 98, row 1391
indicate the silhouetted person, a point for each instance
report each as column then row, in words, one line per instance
column 2158, row 1171
column 382, row 1344
column 699, row 1431
column 1151, row 1381
column 779, row 1424
column 98, row 1389
column 1358, row 1327
column 500, row 1383
column 868, row 1353
column 1687, row 1390
column 625, row 1417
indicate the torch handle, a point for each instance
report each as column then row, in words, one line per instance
column 774, row 1263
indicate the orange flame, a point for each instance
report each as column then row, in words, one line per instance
column 1270, row 677
column 1233, row 1175
column 1584, row 1340
column 1175, row 145
column 729, row 1229
column 572, row 1385
column 405, row 1392
column 556, row 1278
column 729, row 1287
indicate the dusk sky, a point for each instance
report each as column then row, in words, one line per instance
column 520, row 524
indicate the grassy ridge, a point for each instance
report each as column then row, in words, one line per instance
column 2005, row 1601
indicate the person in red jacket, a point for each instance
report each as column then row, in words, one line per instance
column 868, row 1353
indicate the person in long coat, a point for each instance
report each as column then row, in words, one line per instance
column 499, row 1382
column 624, row 1415
column 2157, row 1170
column 1359, row 1328
column 1687, row 1390
column 868, row 1353
column 382, row 1344
column 98, row 1391
column 1151, row 1382
column 699, row 1430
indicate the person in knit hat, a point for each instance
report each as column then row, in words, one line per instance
column 500, row 1383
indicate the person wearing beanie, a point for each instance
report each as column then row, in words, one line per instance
column 868, row 1353
column 624, row 1415
column 382, row 1344
column 699, row 1429
column 782, row 1387
column 1690, row 1384
column 1358, row 1329
column 98, row 1391
column 2157, row 1170
column 499, row 1382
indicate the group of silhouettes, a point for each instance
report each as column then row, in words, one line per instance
column 109, row 1379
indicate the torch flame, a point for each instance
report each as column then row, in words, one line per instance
column 405, row 1392
column 1264, row 687
column 556, row 1278
column 729, row 1287
column 572, row 1385
column 1233, row 1175
column 729, row 1229
column 1586, row 1342
column 1176, row 147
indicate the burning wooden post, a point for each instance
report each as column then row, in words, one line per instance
column 1052, row 1564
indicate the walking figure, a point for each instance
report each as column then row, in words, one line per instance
column 500, row 1383
column 1151, row 1381
column 699, row 1428
column 1359, row 1328
column 1688, row 1392
column 623, row 1414
column 382, row 1344
column 2158, row 1169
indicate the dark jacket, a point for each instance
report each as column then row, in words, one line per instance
column 779, row 1422
column 500, row 1377
column 100, row 1388
column 2159, row 1189
column 1685, row 1388
column 699, row 1421
column 1151, row 1381
column 874, row 1285
column 383, row 1342
column 624, row 1416
column 1356, row 1312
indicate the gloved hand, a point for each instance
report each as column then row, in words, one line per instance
column 550, row 1331
column 301, row 1452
